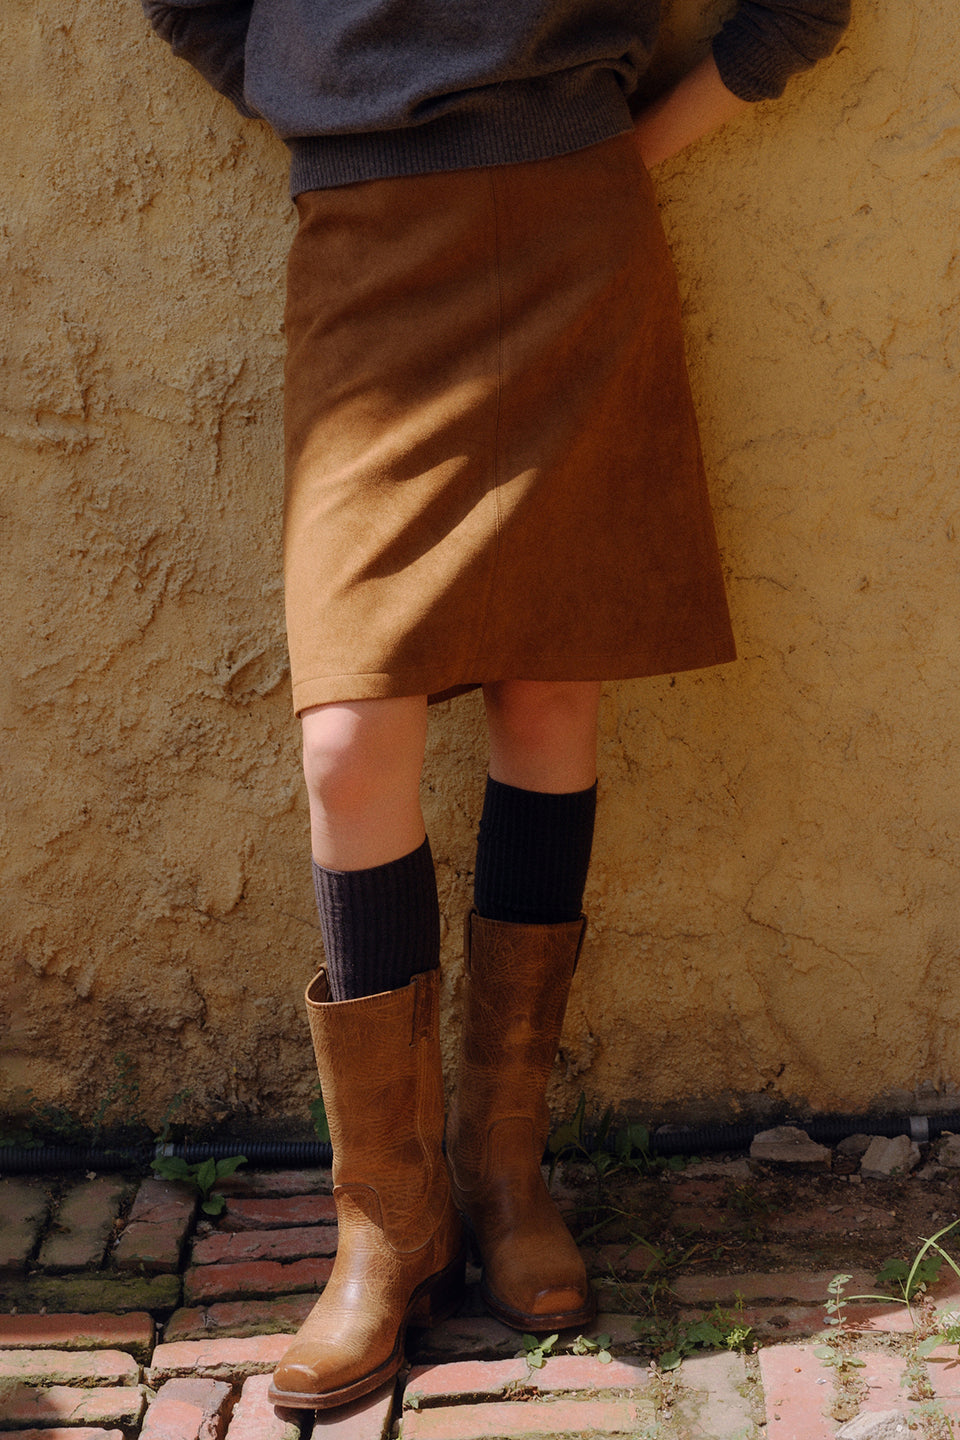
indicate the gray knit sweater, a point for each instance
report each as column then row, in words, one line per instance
column 364, row 89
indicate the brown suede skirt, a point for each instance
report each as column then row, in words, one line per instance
column 493, row 467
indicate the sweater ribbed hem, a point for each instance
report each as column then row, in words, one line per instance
column 530, row 121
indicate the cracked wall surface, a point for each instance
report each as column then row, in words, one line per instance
column 774, row 900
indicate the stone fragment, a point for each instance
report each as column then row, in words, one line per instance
column 256, row 1418
column 131, row 1333
column 187, row 1410
column 788, row 1145
column 23, row 1209
column 876, row 1425
column 68, row 1367
column 948, row 1150
column 885, row 1157
column 854, row 1145
column 83, row 1225
column 157, row 1227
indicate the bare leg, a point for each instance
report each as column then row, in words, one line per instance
column 362, row 761
column 543, row 734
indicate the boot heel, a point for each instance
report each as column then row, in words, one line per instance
column 439, row 1296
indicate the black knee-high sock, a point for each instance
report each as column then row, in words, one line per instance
column 380, row 926
column 533, row 853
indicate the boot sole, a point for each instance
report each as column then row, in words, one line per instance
column 433, row 1300
column 539, row 1324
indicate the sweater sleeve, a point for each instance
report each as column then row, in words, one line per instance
column 766, row 41
column 211, row 35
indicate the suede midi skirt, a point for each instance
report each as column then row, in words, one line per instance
column 493, row 469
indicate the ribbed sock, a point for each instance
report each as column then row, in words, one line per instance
column 533, row 853
column 380, row 926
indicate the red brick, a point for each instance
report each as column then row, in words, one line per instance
column 25, row 1406
column 295, row 1243
column 69, row 1367
column 698, row 1217
column 277, row 1182
column 771, row 1322
column 531, row 1420
column 784, row 1285
column 228, row 1359
column 256, row 1418
column 83, row 1225
column 622, row 1259
column 462, row 1380
column 841, row 1220
column 72, row 1432
column 465, row 1338
column 943, row 1367
column 239, row 1318
column 23, row 1209
column 133, row 1333
column 157, row 1227
column 492, row 1379
column 259, row 1277
column 711, row 1404
column 91, row 1292
column 798, row 1390
column 160, row 1202
column 278, row 1213
column 882, row 1373
column 367, row 1419
column 686, row 1191
column 188, row 1410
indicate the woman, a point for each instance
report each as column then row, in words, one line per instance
column 493, row 479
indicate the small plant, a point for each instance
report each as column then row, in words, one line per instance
column 599, row 1347
column 606, row 1151
column 202, row 1176
column 836, row 1306
column 536, row 1349
column 671, row 1340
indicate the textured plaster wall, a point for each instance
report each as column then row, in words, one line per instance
column 774, row 899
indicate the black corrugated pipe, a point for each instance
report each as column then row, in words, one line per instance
column 267, row 1154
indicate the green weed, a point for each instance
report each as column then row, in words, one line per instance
column 203, row 1176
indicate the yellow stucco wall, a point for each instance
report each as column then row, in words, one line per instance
column 774, row 898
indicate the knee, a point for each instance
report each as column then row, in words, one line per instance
column 340, row 761
column 355, row 753
column 541, row 714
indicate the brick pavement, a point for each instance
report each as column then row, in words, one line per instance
column 123, row 1313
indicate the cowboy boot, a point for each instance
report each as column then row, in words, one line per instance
column 517, row 981
column 400, row 1257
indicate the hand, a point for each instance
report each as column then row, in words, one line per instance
column 697, row 104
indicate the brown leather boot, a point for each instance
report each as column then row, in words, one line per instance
column 517, row 981
column 400, row 1256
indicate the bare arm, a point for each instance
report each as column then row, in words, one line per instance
column 697, row 104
